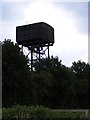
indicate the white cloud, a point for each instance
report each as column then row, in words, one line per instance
column 0, row 18
column 46, row 0
column 68, row 40
column 70, row 45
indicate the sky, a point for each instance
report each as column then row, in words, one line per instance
column 69, row 20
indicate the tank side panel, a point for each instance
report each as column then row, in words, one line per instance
column 34, row 34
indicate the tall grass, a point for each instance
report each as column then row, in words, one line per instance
column 38, row 113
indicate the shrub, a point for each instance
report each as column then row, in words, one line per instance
column 38, row 113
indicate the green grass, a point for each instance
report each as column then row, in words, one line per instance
column 38, row 113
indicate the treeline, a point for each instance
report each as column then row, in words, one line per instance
column 51, row 84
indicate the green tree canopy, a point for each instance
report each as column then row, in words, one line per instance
column 51, row 83
column 14, row 73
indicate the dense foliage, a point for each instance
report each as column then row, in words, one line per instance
column 51, row 84
column 39, row 113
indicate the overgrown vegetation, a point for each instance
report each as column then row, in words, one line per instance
column 52, row 84
column 38, row 113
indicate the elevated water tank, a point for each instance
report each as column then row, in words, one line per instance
column 35, row 34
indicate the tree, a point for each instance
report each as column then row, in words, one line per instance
column 14, row 73
column 62, row 90
column 42, row 82
column 51, row 84
column 80, row 69
column 81, row 72
column 47, row 64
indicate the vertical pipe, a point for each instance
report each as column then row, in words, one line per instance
column 39, row 53
column 22, row 48
column 48, row 50
column 31, row 59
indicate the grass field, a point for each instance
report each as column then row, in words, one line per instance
column 42, row 113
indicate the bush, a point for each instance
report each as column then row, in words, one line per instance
column 37, row 113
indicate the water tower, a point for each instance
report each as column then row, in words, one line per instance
column 37, row 37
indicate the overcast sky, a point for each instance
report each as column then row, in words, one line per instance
column 70, row 22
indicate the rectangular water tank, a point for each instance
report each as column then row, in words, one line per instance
column 35, row 34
